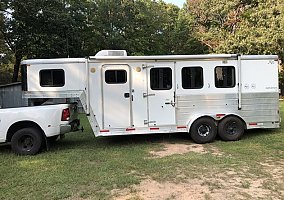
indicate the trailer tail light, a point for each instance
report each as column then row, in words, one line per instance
column 65, row 114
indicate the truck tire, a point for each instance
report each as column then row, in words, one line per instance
column 231, row 128
column 203, row 130
column 27, row 141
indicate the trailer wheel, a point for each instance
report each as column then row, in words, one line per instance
column 27, row 141
column 203, row 130
column 231, row 128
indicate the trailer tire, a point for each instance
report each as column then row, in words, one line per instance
column 203, row 130
column 27, row 141
column 231, row 128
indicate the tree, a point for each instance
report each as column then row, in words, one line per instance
column 239, row 26
column 142, row 27
column 43, row 29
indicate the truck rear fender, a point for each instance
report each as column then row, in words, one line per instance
column 22, row 124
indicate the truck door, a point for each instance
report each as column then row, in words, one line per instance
column 117, row 97
column 161, row 94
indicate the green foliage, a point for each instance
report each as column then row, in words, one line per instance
column 240, row 26
column 62, row 28
column 143, row 27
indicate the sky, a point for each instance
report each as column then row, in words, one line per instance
column 179, row 3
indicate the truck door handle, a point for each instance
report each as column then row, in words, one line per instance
column 126, row 95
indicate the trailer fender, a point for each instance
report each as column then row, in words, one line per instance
column 234, row 115
column 195, row 117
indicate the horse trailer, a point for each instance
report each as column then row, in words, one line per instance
column 203, row 95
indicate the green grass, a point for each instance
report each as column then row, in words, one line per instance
column 81, row 166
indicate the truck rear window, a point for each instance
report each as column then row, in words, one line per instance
column 52, row 78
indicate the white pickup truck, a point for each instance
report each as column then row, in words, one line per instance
column 28, row 128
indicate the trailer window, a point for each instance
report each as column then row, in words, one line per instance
column 225, row 77
column 161, row 78
column 115, row 76
column 192, row 77
column 52, row 78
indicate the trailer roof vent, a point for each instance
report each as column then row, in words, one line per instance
column 112, row 53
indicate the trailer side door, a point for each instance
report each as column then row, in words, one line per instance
column 116, row 96
column 161, row 94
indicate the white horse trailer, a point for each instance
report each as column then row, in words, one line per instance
column 203, row 95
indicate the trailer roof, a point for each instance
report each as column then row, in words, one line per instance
column 166, row 57
column 53, row 61
column 187, row 57
column 162, row 57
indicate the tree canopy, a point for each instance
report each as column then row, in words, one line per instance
column 73, row 28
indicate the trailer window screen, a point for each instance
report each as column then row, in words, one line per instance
column 192, row 77
column 161, row 78
column 225, row 77
column 115, row 76
column 52, row 78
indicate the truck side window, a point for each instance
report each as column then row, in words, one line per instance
column 225, row 77
column 117, row 76
column 192, row 77
column 161, row 78
column 52, row 78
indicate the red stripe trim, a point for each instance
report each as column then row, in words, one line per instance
column 181, row 126
column 130, row 129
column 152, row 129
column 103, row 131
column 253, row 124
column 220, row 115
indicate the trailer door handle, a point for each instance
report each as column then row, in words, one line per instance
column 171, row 103
column 126, row 95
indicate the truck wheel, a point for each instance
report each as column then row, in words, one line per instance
column 203, row 130
column 231, row 128
column 27, row 141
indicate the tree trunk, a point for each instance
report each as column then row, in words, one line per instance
column 16, row 68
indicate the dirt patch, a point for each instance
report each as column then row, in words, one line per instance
column 198, row 189
column 153, row 190
column 171, row 149
column 230, row 184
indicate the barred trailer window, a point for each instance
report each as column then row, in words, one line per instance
column 115, row 76
column 225, row 77
column 52, row 78
column 161, row 78
column 192, row 77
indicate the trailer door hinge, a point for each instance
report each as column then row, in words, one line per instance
column 147, row 95
column 147, row 66
column 148, row 122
